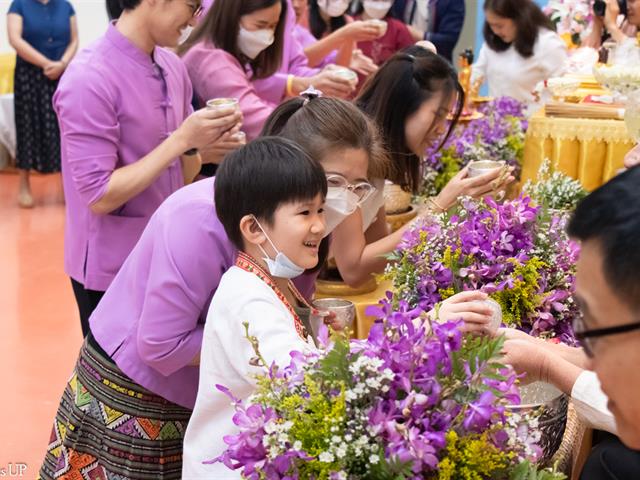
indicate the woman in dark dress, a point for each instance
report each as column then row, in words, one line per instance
column 44, row 34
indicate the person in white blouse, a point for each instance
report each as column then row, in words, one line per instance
column 521, row 49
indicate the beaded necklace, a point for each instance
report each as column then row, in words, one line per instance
column 249, row 264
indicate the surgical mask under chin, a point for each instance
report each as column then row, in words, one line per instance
column 185, row 33
column 338, row 205
column 377, row 9
column 333, row 8
column 251, row 43
column 281, row 266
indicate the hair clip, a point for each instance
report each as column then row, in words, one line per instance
column 310, row 93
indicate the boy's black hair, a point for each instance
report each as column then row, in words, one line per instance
column 610, row 216
column 260, row 177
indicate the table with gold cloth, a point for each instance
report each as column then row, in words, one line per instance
column 589, row 150
column 7, row 67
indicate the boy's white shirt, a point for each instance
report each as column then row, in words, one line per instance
column 224, row 359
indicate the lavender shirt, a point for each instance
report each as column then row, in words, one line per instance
column 114, row 106
column 294, row 62
column 305, row 38
column 151, row 318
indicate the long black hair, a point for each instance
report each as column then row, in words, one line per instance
column 397, row 90
column 527, row 16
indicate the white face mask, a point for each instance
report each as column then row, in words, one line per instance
column 185, row 33
column 338, row 205
column 281, row 266
column 333, row 8
column 377, row 9
column 251, row 43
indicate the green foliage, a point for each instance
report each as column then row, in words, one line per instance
column 473, row 457
column 528, row 471
column 519, row 301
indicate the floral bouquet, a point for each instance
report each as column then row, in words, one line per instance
column 499, row 135
column 555, row 191
column 414, row 401
column 516, row 252
column 571, row 17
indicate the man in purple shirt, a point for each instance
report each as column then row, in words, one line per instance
column 129, row 138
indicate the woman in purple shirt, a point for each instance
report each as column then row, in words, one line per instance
column 127, row 404
column 127, row 128
column 238, row 45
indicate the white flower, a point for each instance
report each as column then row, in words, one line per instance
column 374, row 459
column 297, row 445
column 326, row 457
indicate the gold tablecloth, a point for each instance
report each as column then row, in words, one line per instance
column 591, row 151
column 363, row 322
column 7, row 67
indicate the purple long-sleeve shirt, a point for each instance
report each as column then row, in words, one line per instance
column 151, row 319
column 115, row 104
column 294, row 62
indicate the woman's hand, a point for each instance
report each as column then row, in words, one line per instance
column 53, row 70
column 469, row 307
column 360, row 31
column 332, row 85
column 462, row 185
column 362, row 64
column 611, row 13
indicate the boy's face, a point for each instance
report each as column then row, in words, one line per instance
column 297, row 230
column 168, row 18
column 616, row 357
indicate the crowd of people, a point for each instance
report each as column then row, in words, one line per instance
column 186, row 218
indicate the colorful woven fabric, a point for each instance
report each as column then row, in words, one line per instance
column 107, row 427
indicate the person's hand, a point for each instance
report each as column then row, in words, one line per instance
column 332, row 85
column 594, row 39
column 362, row 64
column 461, row 185
column 331, row 320
column 527, row 358
column 229, row 142
column 53, row 70
column 204, row 127
column 469, row 307
column 360, row 31
column 632, row 158
column 611, row 15
column 515, row 334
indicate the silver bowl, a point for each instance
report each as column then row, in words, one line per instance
column 549, row 405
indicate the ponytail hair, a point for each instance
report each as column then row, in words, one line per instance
column 322, row 124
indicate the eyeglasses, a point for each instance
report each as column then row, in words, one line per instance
column 362, row 190
column 588, row 337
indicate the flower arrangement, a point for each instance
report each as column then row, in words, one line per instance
column 499, row 135
column 571, row 17
column 516, row 252
column 414, row 401
column 556, row 190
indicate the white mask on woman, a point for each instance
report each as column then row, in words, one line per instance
column 338, row 205
column 333, row 8
column 185, row 33
column 251, row 43
column 377, row 9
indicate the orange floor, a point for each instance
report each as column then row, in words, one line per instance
column 39, row 326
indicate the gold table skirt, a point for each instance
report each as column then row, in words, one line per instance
column 588, row 150
column 7, row 67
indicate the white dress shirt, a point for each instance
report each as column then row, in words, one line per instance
column 510, row 74
column 224, row 360
column 590, row 403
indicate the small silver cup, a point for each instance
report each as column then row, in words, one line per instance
column 344, row 310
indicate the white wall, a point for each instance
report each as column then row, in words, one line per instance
column 91, row 15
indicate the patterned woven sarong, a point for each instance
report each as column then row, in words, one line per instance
column 108, row 427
